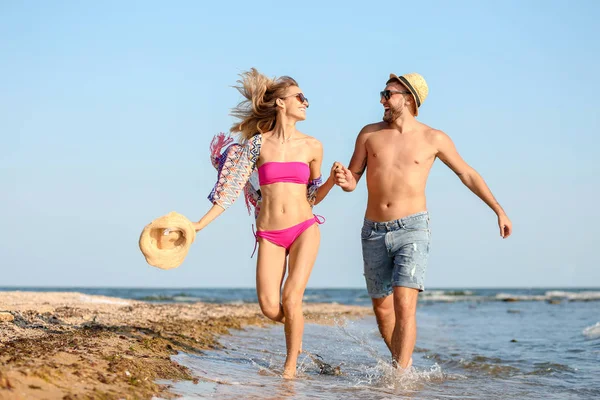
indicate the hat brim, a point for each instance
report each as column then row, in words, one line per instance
column 406, row 84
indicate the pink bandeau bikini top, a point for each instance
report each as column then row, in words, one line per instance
column 292, row 172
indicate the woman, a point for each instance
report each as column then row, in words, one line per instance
column 288, row 163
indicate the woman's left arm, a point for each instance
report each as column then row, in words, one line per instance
column 317, row 189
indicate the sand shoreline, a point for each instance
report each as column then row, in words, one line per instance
column 57, row 345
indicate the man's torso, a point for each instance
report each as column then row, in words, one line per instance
column 398, row 166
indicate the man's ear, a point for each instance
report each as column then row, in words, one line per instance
column 410, row 104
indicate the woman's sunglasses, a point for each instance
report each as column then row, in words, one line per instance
column 386, row 94
column 300, row 97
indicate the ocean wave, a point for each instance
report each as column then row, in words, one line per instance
column 186, row 299
column 492, row 366
column 314, row 297
column 592, row 332
column 102, row 300
column 550, row 296
column 450, row 295
column 549, row 368
column 574, row 296
column 520, row 297
column 163, row 297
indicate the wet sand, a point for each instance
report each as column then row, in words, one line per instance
column 77, row 346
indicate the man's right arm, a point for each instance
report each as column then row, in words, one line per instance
column 348, row 178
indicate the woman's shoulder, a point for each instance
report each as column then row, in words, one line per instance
column 310, row 140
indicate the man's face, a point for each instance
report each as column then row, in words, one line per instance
column 395, row 104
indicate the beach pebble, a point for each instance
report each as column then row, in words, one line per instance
column 6, row 317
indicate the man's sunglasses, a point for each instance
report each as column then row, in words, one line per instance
column 300, row 97
column 386, row 94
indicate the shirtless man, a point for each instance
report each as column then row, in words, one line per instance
column 399, row 153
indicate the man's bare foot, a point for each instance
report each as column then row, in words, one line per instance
column 396, row 365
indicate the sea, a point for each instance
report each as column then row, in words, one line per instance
column 492, row 343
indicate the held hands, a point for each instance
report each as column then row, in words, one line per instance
column 505, row 225
column 342, row 176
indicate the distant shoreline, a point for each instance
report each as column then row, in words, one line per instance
column 66, row 344
column 49, row 288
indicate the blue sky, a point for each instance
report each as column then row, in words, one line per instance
column 107, row 110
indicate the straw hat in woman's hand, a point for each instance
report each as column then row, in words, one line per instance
column 166, row 240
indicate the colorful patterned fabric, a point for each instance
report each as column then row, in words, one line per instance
column 235, row 164
column 237, row 172
column 311, row 189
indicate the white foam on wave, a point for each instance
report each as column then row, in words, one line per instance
column 550, row 295
column 592, row 332
column 574, row 296
column 102, row 300
column 520, row 297
column 450, row 296
column 185, row 299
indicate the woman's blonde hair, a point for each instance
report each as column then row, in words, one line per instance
column 258, row 112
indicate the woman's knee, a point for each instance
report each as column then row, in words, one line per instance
column 292, row 302
column 270, row 309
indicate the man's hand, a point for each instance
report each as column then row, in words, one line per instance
column 505, row 225
column 343, row 177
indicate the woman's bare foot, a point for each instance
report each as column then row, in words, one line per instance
column 289, row 373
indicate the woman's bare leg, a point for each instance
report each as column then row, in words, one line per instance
column 270, row 270
column 303, row 254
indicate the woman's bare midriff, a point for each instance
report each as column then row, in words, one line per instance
column 283, row 205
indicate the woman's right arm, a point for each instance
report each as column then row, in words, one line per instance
column 209, row 217
column 234, row 170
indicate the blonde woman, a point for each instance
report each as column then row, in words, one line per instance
column 288, row 165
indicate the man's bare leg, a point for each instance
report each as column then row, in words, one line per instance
column 405, row 330
column 386, row 319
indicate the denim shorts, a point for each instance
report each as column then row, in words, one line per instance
column 395, row 253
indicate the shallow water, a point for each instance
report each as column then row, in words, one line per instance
column 541, row 343
column 466, row 350
column 353, row 296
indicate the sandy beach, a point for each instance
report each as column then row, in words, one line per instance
column 78, row 346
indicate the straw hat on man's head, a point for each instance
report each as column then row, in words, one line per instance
column 417, row 86
column 166, row 240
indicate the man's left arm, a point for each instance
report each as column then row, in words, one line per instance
column 447, row 153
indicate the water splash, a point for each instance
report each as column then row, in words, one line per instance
column 592, row 332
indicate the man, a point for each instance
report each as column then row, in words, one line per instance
column 399, row 153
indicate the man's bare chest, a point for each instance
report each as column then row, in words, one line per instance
column 399, row 153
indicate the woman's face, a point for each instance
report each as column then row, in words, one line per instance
column 295, row 104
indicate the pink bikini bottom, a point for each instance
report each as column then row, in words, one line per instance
column 286, row 237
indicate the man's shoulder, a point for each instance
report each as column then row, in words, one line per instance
column 374, row 127
column 432, row 134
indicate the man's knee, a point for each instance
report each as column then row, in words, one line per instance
column 383, row 308
column 405, row 302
